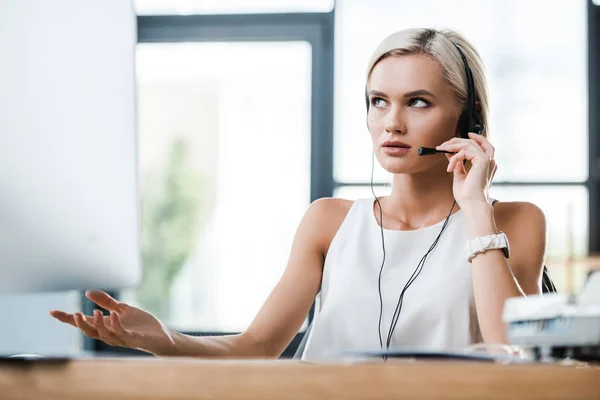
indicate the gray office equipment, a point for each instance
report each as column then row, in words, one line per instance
column 69, row 216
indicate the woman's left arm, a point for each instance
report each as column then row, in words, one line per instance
column 496, row 278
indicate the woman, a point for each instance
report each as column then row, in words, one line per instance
column 393, row 272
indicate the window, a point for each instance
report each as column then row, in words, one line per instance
column 224, row 155
column 566, row 210
column 191, row 114
column 232, row 148
column 537, row 77
column 148, row 7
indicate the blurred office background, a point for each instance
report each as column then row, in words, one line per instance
column 250, row 110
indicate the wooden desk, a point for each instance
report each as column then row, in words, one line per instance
column 151, row 378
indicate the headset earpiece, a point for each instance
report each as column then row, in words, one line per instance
column 470, row 119
column 478, row 129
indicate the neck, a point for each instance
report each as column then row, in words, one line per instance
column 421, row 198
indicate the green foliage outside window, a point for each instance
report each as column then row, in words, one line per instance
column 171, row 205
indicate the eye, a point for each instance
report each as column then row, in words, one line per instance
column 418, row 102
column 378, row 102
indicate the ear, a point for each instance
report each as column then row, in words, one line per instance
column 478, row 107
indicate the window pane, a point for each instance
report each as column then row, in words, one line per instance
column 222, row 196
column 566, row 210
column 148, row 7
column 537, row 78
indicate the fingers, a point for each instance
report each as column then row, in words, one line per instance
column 466, row 150
column 484, row 143
column 118, row 325
column 119, row 329
column 464, row 154
column 477, row 142
column 453, row 160
column 456, row 165
column 108, row 329
column 455, row 145
column 105, row 333
column 63, row 317
column 83, row 323
column 103, row 299
column 68, row 318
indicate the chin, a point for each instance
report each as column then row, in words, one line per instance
column 397, row 165
column 404, row 165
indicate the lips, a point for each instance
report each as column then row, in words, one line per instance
column 395, row 143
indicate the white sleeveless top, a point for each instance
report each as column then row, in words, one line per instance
column 438, row 310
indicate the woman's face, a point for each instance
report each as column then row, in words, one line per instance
column 410, row 107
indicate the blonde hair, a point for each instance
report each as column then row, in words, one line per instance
column 440, row 45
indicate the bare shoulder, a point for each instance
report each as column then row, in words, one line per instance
column 519, row 213
column 327, row 205
column 524, row 224
column 325, row 216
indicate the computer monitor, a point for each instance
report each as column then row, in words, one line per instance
column 69, row 207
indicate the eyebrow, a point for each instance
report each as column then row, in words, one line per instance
column 420, row 92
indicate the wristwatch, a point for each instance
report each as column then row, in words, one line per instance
column 481, row 244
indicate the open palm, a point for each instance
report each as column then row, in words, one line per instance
column 125, row 325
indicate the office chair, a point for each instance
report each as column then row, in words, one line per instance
column 547, row 287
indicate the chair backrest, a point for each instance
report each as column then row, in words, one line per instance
column 547, row 284
column 547, row 287
column 302, row 345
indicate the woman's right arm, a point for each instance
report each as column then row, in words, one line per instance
column 273, row 328
column 287, row 306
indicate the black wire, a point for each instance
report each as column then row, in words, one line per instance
column 412, row 278
column 382, row 246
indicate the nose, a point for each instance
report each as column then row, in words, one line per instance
column 394, row 123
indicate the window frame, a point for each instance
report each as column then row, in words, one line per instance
column 593, row 183
column 317, row 29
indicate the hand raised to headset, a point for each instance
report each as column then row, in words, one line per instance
column 473, row 185
column 125, row 326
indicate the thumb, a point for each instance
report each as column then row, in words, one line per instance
column 103, row 299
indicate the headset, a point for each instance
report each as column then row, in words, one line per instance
column 469, row 121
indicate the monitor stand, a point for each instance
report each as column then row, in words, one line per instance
column 33, row 358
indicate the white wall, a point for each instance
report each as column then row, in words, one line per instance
column 57, row 32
